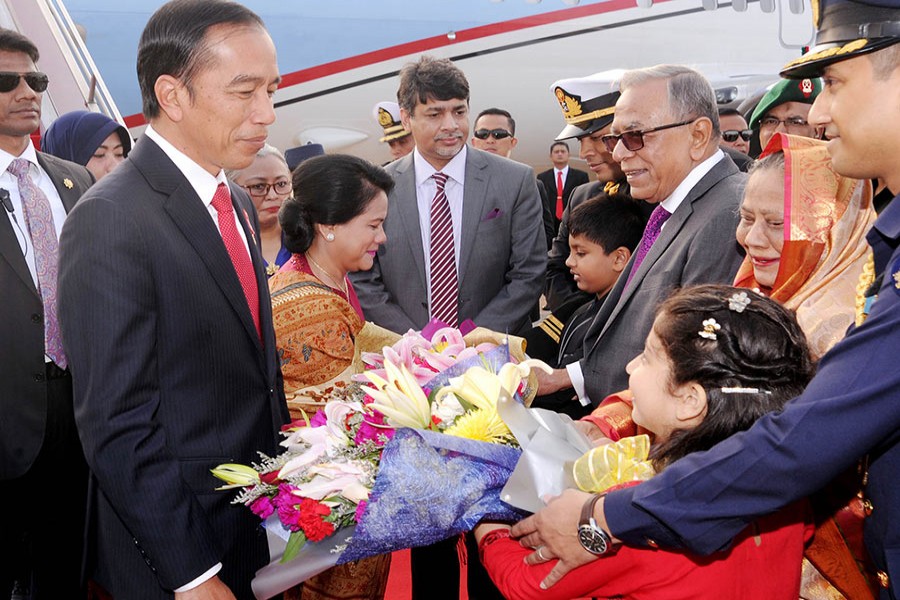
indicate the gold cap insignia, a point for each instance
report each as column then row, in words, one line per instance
column 611, row 188
column 570, row 104
column 384, row 118
column 68, row 183
column 896, row 277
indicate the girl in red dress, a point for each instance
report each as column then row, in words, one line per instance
column 716, row 360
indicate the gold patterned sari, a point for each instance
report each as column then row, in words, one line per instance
column 315, row 330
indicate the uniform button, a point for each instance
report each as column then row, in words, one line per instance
column 39, row 377
column 652, row 543
column 883, row 579
column 36, row 318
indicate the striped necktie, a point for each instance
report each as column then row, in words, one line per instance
column 444, row 283
column 39, row 220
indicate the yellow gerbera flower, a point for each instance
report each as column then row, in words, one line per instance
column 482, row 425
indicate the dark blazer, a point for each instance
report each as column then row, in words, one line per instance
column 503, row 250
column 23, row 388
column 170, row 376
column 697, row 245
column 574, row 178
column 850, row 410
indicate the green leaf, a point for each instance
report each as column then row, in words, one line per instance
column 294, row 545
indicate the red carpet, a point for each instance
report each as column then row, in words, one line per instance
column 399, row 586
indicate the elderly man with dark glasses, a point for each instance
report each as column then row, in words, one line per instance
column 39, row 446
column 664, row 136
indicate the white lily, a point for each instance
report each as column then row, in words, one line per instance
column 236, row 475
column 399, row 397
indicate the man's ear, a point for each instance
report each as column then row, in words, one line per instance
column 172, row 97
column 513, row 141
column 621, row 256
column 404, row 118
column 701, row 133
column 692, row 404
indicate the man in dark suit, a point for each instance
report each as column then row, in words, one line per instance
column 167, row 319
column 39, row 449
column 495, row 242
column 665, row 138
column 848, row 416
column 561, row 172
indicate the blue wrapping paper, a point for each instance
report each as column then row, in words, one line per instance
column 430, row 487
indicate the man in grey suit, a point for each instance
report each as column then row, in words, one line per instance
column 465, row 240
column 39, row 449
column 665, row 137
column 498, row 249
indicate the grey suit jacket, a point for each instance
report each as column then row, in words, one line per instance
column 23, row 388
column 503, row 250
column 697, row 245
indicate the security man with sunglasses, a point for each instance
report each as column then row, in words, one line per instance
column 40, row 454
column 664, row 136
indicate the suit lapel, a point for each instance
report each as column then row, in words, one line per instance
column 191, row 217
column 406, row 207
column 667, row 236
column 11, row 252
column 10, row 249
column 65, row 187
column 474, row 198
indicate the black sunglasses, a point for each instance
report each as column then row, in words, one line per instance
column 634, row 140
column 732, row 135
column 36, row 80
column 498, row 134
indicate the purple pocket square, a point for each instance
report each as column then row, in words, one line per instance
column 493, row 214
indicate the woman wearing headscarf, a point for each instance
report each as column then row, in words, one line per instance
column 89, row 139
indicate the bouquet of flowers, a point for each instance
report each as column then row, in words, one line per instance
column 412, row 452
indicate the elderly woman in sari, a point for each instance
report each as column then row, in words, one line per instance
column 803, row 227
column 332, row 225
column 268, row 181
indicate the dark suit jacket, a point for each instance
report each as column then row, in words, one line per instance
column 23, row 389
column 697, row 245
column 171, row 378
column 850, row 409
column 574, row 178
column 503, row 256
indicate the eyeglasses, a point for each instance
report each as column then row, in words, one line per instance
column 261, row 190
column 36, row 80
column 634, row 140
column 732, row 135
column 497, row 134
column 789, row 123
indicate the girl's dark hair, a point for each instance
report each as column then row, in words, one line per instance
column 329, row 190
column 760, row 347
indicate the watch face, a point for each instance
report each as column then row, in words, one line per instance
column 593, row 540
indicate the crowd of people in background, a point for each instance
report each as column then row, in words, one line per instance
column 715, row 271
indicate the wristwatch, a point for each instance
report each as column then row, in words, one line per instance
column 592, row 537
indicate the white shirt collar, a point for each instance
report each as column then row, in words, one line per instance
column 28, row 154
column 455, row 169
column 564, row 171
column 672, row 203
column 203, row 183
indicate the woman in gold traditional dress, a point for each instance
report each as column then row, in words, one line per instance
column 331, row 226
